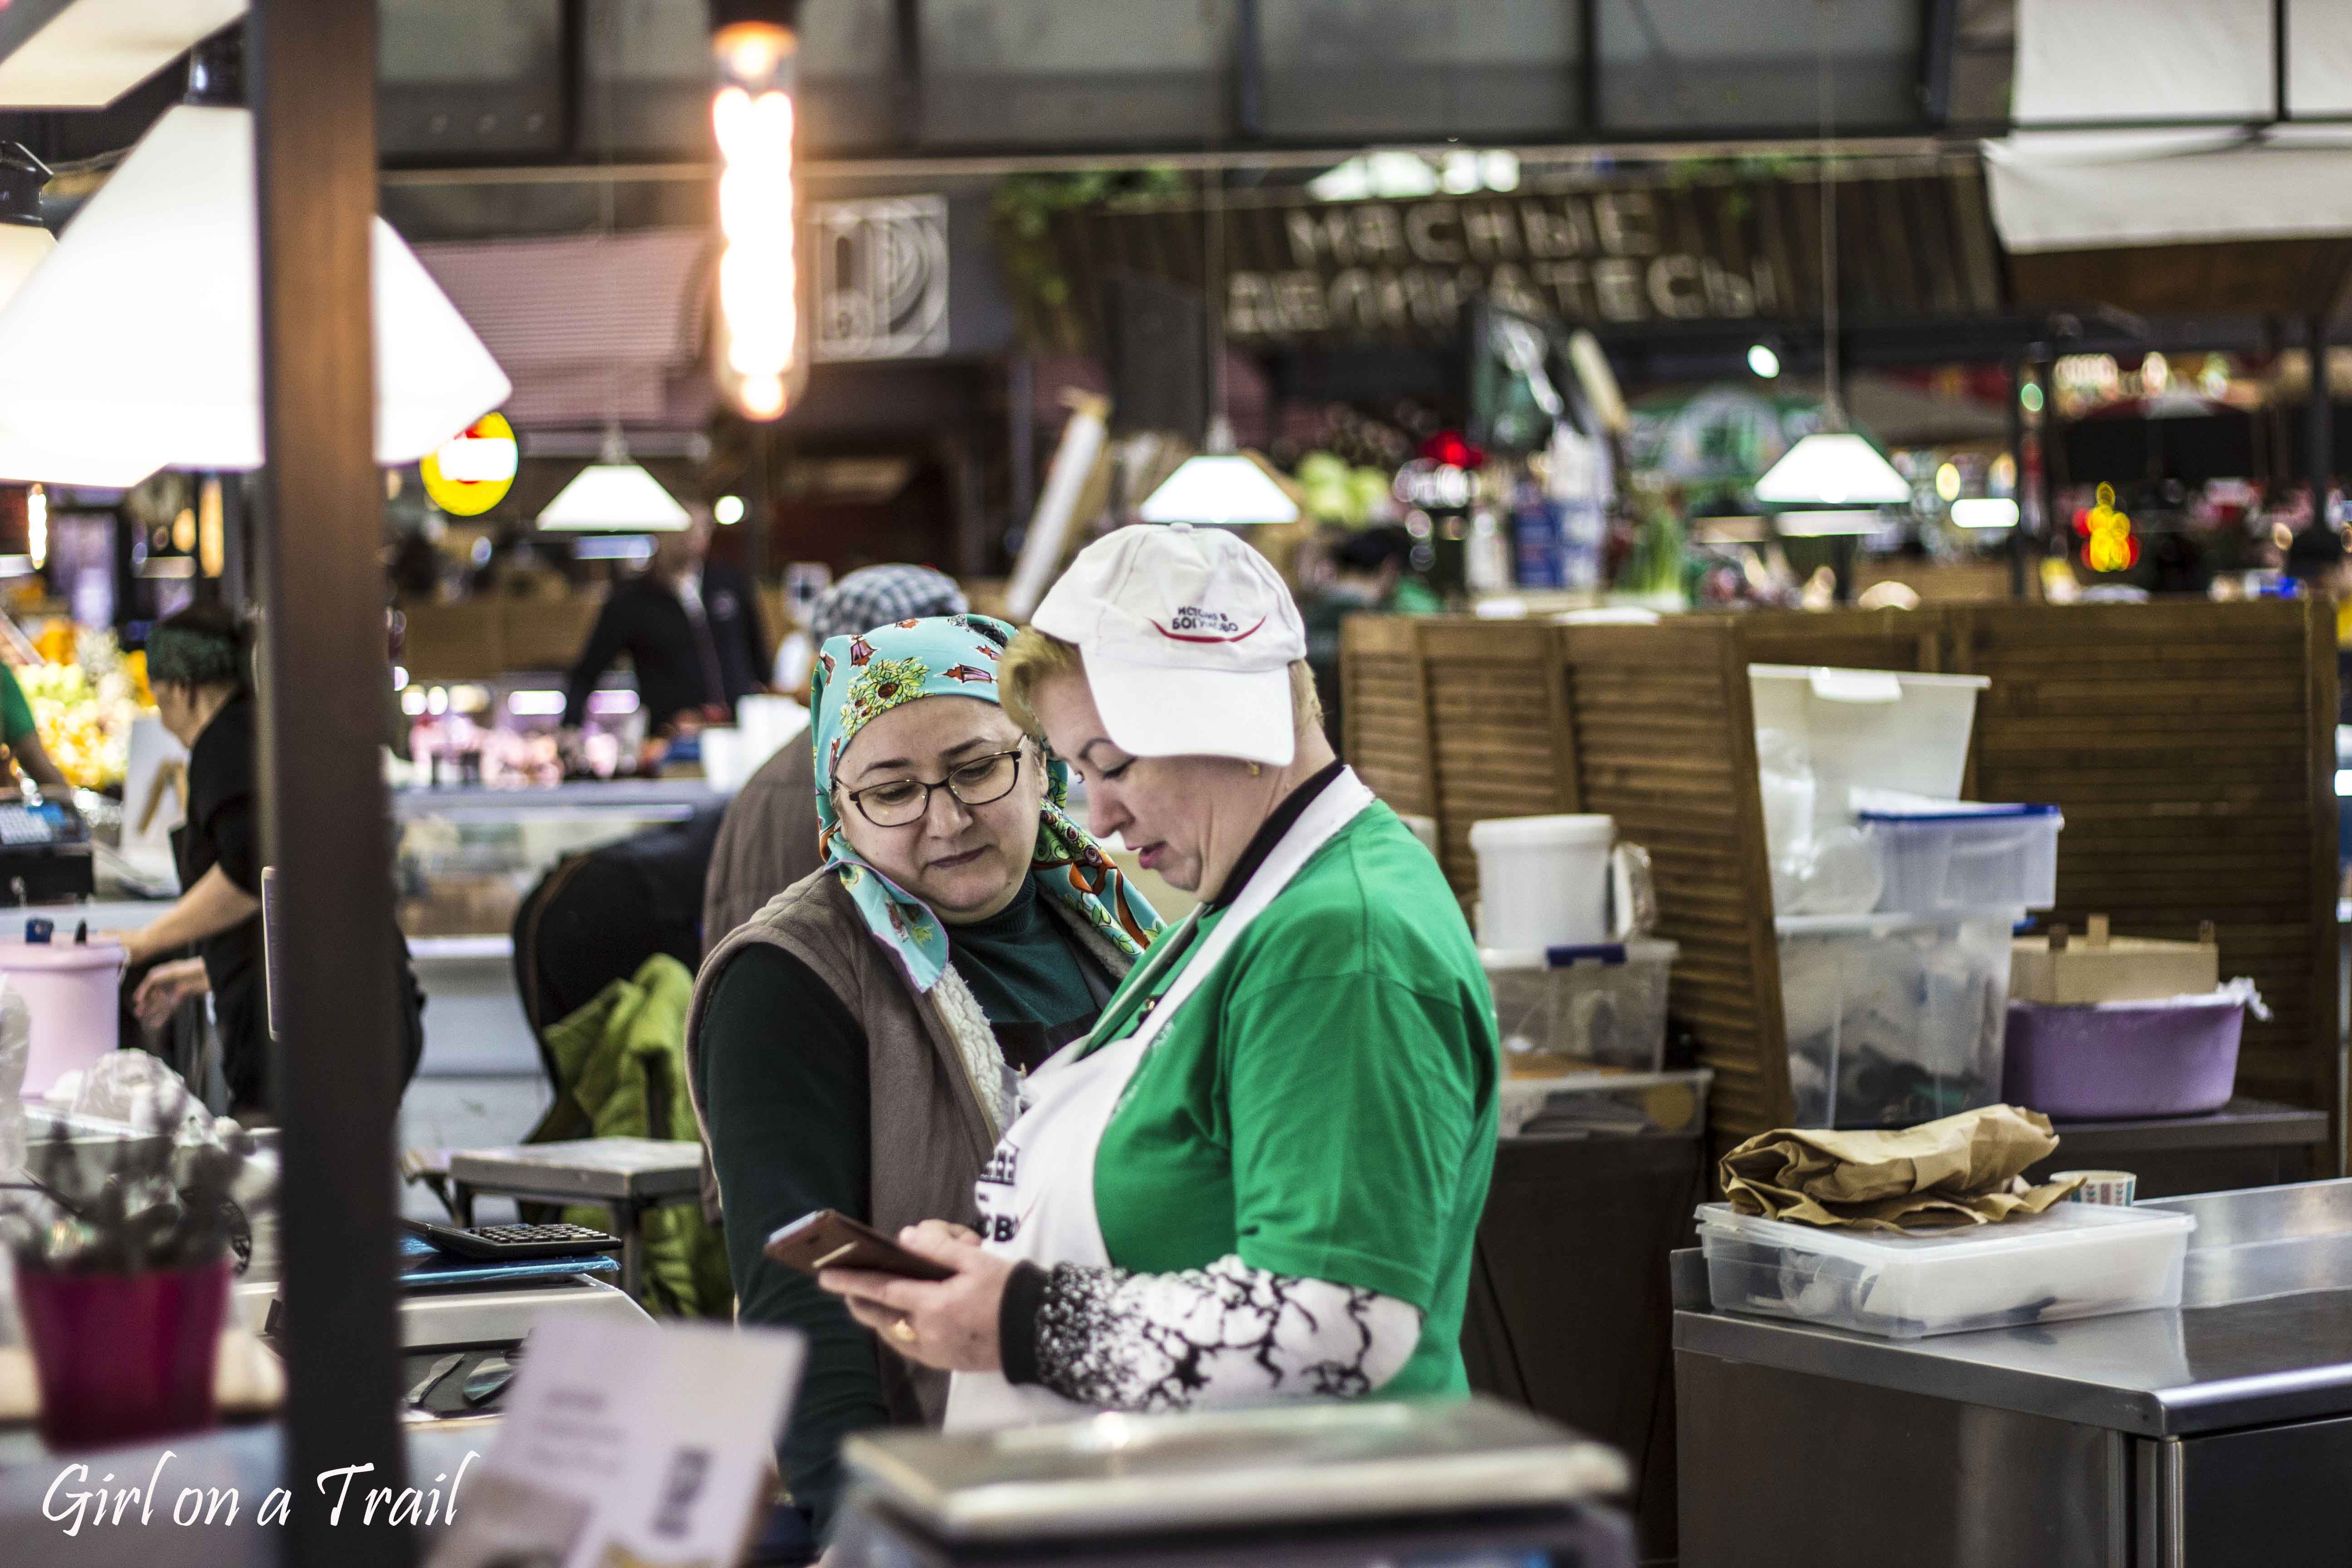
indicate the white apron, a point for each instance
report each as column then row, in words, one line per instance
column 1036, row 1196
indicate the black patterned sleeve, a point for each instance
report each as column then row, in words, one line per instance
column 1226, row 1334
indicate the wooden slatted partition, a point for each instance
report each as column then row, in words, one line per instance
column 1665, row 743
column 1502, row 744
column 1384, row 704
column 2190, row 745
column 2192, row 749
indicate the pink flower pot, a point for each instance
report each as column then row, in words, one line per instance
column 123, row 1357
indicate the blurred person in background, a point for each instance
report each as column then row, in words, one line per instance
column 199, row 666
column 1369, row 575
column 768, row 839
column 23, row 739
column 2320, row 566
column 692, row 630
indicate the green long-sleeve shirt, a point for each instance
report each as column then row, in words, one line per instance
column 785, row 1092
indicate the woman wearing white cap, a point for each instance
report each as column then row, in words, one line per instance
column 1261, row 1173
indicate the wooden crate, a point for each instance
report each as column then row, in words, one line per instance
column 2191, row 747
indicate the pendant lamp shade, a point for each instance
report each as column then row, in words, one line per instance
column 1833, row 468
column 99, row 464
column 144, row 329
column 1216, row 489
column 23, row 247
column 611, row 495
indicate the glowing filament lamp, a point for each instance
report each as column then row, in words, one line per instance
column 761, row 357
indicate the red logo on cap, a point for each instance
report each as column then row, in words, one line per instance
column 1195, row 624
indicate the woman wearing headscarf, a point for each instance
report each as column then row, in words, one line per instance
column 1260, row 1175
column 858, row 1045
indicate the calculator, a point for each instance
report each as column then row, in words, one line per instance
column 512, row 1242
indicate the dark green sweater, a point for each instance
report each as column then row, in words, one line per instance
column 784, row 1092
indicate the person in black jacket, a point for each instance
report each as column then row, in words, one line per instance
column 692, row 628
column 199, row 668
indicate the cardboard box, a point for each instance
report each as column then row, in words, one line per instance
column 2097, row 967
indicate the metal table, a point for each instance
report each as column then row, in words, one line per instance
column 626, row 1177
column 2219, row 1433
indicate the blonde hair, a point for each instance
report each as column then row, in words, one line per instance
column 1034, row 655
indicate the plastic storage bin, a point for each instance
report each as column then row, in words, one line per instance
column 1595, row 1105
column 1543, row 881
column 1877, row 729
column 2077, row 1260
column 1582, row 1007
column 1965, row 856
column 1893, row 1019
column 2174, row 1058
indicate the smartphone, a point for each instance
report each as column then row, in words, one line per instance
column 830, row 1239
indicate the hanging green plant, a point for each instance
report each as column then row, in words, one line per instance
column 1022, row 212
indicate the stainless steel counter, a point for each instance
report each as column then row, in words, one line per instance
column 2153, row 1374
column 2195, row 1434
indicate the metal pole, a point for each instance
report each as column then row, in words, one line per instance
column 761, row 512
column 2319, row 467
column 2017, row 455
column 2053, row 452
column 1021, row 392
column 335, row 1072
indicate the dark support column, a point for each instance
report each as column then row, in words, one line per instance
column 1021, row 429
column 906, row 72
column 2319, row 467
column 2017, row 540
column 335, row 1072
column 760, row 508
column 2053, row 527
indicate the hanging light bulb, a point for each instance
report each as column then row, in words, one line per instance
column 37, row 526
column 761, row 358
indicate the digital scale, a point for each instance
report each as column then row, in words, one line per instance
column 45, row 854
column 1470, row 1483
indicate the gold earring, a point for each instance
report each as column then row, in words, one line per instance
column 1253, row 769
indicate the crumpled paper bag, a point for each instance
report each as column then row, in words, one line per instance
column 1962, row 1170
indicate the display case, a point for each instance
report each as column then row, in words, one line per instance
column 465, row 856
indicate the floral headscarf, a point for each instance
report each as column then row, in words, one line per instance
column 858, row 680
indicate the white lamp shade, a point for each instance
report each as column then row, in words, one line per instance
column 145, row 324
column 99, row 464
column 23, row 247
column 1219, row 490
column 1833, row 468
column 614, row 496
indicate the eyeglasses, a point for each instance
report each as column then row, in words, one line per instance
column 896, row 803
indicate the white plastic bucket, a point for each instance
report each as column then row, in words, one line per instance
column 1543, row 881
column 73, row 991
column 1874, row 729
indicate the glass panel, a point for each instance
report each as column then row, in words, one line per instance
column 1007, row 71
column 1408, row 69
column 1699, row 65
column 463, row 79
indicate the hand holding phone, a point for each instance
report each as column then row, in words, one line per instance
column 831, row 1240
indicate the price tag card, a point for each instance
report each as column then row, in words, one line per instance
column 630, row 1445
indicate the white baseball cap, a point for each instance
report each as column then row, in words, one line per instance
column 1188, row 636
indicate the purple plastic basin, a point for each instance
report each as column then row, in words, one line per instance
column 2155, row 1059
